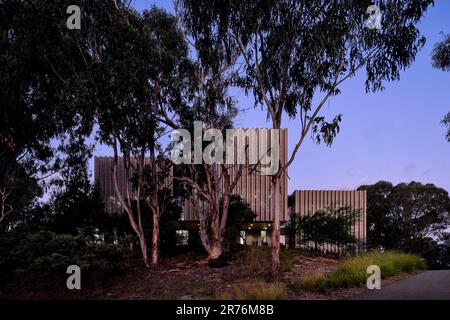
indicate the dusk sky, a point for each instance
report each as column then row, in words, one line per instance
column 394, row 135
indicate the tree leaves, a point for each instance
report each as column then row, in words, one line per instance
column 405, row 216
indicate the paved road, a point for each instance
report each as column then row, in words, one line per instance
column 432, row 285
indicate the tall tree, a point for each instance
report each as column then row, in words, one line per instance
column 43, row 68
column 142, row 66
column 212, row 73
column 298, row 53
column 115, row 71
column 406, row 216
column 211, row 183
column 441, row 60
column 75, row 205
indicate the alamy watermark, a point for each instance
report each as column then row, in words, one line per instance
column 374, row 20
column 74, row 280
column 235, row 150
column 374, row 280
column 74, row 20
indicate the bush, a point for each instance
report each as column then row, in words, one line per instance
column 256, row 258
column 255, row 291
column 352, row 273
column 44, row 256
column 220, row 262
column 330, row 225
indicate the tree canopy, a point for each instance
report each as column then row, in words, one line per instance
column 441, row 54
column 295, row 55
column 46, row 107
column 441, row 60
column 406, row 216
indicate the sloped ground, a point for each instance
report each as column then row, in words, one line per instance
column 187, row 277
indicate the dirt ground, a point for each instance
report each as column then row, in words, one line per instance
column 188, row 277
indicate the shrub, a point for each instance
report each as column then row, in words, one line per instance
column 330, row 225
column 253, row 259
column 46, row 256
column 220, row 262
column 352, row 272
column 255, row 291
column 256, row 259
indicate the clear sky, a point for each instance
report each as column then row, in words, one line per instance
column 394, row 135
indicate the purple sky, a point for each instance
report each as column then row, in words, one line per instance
column 393, row 135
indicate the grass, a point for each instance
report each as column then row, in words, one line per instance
column 256, row 257
column 255, row 291
column 352, row 273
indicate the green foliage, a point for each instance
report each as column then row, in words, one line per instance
column 406, row 216
column 291, row 229
column 437, row 255
column 220, row 262
column 43, row 68
column 78, row 205
column 255, row 291
column 257, row 258
column 328, row 226
column 353, row 271
column 75, row 207
column 290, row 52
column 446, row 121
column 18, row 192
column 441, row 54
column 44, row 257
column 239, row 214
column 441, row 60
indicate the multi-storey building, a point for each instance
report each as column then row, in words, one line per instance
column 253, row 187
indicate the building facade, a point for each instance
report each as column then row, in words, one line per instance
column 307, row 202
column 254, row 188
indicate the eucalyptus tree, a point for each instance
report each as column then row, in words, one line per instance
column 44, row 100
column 441, row 60
column 141, row 73
column 56, row 82
column 298, row 53
column 407, row 216
column 208, row 101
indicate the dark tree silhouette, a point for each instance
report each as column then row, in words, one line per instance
column 298, row 52
column 407, row 216
column 441, row 60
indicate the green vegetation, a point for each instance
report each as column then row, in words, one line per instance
column 255, row 291
column 239, row 214
column 352, row 273
column 47, row 255
column 411, row 217
column 441, row 60
column 257, row 258
column 129, row 78
column 330, row 225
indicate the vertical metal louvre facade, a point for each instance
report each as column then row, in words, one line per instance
column 307, row 202
column 253, row 186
